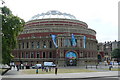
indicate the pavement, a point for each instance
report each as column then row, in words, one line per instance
column 13, row 73
column 63, row 75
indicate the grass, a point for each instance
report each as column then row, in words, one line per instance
column 33, row 71
column 113, row 69
column 2, row 70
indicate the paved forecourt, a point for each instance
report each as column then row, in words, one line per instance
column 18, row 74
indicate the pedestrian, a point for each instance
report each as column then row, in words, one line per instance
column 46, row 69
column 42, row 68
column 17, row 67
column 96, row 66
column 36, row 71
column 56, row 70
column 110, row 67
column 49, row 68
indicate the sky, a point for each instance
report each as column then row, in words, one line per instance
column 100, row 15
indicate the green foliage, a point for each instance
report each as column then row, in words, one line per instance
column 116, row 53
column 6, row 11
column 11, row 27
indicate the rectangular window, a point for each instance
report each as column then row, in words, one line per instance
column 81, row 43
column 67, row 42
column 76, row 41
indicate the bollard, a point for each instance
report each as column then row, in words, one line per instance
column 46, row 69
column 42, row 68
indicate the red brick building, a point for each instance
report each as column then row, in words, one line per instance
column 35, row 44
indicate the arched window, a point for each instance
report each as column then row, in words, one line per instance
column 71, row 58
column 32, row 54
column 19, row 46
column 44, row 44
column 38, row 44
column 19, row 55
column 81, row 54
column 26, row 55
column 44, row 55
column 38, row 55
column 32, row 44
column 89, row 54
column 85, row 54
column 50, row 55
column 22, row 55
column 71, row 55
column 27, row 45
column 23, row 45
column 81, row 43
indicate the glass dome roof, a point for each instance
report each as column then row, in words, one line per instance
column 53, row 14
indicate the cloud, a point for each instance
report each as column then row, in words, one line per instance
column 100, row 15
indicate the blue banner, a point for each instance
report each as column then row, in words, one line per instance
column 54, row 40
column 73, row 40
column 84, row 38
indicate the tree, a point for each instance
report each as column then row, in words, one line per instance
column 11, row 27
column 116, row 53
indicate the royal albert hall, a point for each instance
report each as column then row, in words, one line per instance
column 56, row 37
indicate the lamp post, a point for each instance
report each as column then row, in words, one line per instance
column 56, row 56
column 56, row 46
column 56, row 68
column 86, row 64
column 20, row 62
column 86, row 60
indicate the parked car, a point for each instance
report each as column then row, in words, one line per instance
column 33, row 67
column 37, row 66
column 49, row 64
